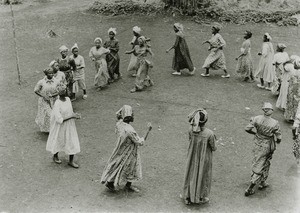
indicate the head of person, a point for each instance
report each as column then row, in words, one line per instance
column 54, row 66
column 280, row 47
column 267, row 109
column 75, row 50
column 141, row 40
column 197, row 119
column 61, row 90
column 247, row 34
column 125, row 113
column 296, row 61
column 215, row 29
column 63, row 51
column 136, row 31
column 98, row 42
column 267, row 37
column 178, row 27
column 49, row 73
column 112, row 32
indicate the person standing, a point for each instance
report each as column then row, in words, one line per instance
column 98, row 55
column 78, row 74
column 296, row 144
column 60, row 76
column 216, row 59
column 124, row 165
column 198, row 174
column 46, row 90
column 267, row 134
column 265, row 70
column 245, row 64
column 63, row 135
column 113, row 59
column 182, row 58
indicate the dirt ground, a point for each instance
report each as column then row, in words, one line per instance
column 32, row 182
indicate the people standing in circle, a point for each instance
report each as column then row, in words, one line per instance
column 142, row 79
column 265, row 70
column 79, row 73
column 63, row 135
column 98, row 55
column 46, row 90
column 267, row 134
column 182, row 59
column 198, row 174
column 113, row 59
column 245, row 64
column 216, row 59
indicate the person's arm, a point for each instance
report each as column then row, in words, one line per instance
column 37, row 90
column 277, row 133
column 211, row 141
column 175, row 44
column 222, row 42
column 150, row 51
column 91, row 55
column 115, row 48
column 74, row 115
column 249, row 128
column 130, row 51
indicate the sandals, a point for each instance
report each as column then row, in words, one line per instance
column 132, row 189
column 56, row 160
column 204, row 200
column 74, row 165
column 249, row 192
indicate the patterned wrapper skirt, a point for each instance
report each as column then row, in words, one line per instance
column 215, row 60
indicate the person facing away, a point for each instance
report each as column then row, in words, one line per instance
column 267, row 134
column 198, row 174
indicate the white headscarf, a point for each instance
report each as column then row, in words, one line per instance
column 114, row 30
column 179, row 27
column 194, row 119
column 136, row 29
column 268, row 36
column 52, row 63
column 98, row 39
column 124, row 112
column 74, row 46
column 63, row 48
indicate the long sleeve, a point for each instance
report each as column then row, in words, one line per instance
column 135, row 138
column 82, row 64
column 277, row 131
column 91, row 55
column 211, row 141
column 222, row 42
column 251, row 125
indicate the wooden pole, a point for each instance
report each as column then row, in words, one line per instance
column 15, row 42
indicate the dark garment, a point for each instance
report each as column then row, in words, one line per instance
column 113, row 59
column 182, row 58
column 67, row 65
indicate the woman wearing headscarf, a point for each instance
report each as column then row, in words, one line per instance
column 98, row 55
column 245, row 64
column 216, row 59
column 267, row 134
column 60, row 76
column 63, row 135
column 124, row 165
column 293, row 93
column 296, row 144
column 78, row 74
column 133, row 66
column 141, row 51
column 198, row 174
column 67, row 66
column 46, row 90
column 182, row 59
column 113, row 59
column 265, row 70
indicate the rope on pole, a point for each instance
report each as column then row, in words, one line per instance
column 15, row 42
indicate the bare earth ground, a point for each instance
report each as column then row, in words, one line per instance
column 31, row 182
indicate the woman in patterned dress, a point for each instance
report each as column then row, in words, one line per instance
column 141, row 51
column 216, row 59
column 198, row 174
column 113, row 59
column 124, row 165
column 46, row 89
column 296, row 144
column 182, row 58
column 265, row 70
column 245, row 64
column 98, row 55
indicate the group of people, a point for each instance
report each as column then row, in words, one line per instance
column 66, row 76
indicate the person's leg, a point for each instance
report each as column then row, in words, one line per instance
column 110, row 186
column 226, row 75
column 56, row 159
column 71, row 162
column 131, row 188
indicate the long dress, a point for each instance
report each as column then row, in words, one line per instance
column 78, row 74
column 102, row 76
column 132, row 66
column 113, row 59
column 216, row 58
column 267, row 130
column 265, row 69
column 182, row 58
column 125, row 162
column 198, row 174
column 45, row 87
column 291, row 102
column 63, row 135
column 245, row 65
column 296, row 144
column 67, row 66
column 280, row 58
column 287, row 71
column 142, row 79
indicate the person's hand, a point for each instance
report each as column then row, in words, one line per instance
column 76, row 115
column 167, row 51
column 149, row 126
column 237, row 58
column 204, row 42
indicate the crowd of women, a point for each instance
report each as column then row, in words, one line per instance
column 279, row 73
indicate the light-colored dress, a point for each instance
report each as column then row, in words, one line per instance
column 61, row 77
column 287, row 71
column 45, row 87
column 265, row 69
column 79, row 74
column 132, row 66
column 63, row 134
column 102, row 76
column 125, row 162
column 245, row 65
column 268, row 130
column 216, row 58
column 142, row 79
column 198, row 174
column 291, row 102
